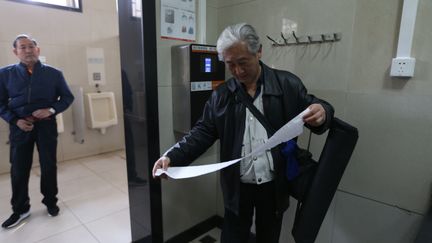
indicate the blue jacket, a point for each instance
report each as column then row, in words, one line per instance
column 22, row 93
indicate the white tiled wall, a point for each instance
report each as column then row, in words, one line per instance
column 390, row 165
column 359, row 220
column 353, row 219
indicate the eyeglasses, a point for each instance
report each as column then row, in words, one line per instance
column 29, row 47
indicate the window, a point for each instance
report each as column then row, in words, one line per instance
column 72, row 5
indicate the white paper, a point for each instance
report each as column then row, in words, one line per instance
column 194, row 170
column 289, row 131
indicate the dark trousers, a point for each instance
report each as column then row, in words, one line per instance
column 236, row 228
column 44, row 135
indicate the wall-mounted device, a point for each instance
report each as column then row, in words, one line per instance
column 96, row 66
column 196, row 72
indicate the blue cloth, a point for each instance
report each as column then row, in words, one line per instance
column 22, row 93
column 289, row 152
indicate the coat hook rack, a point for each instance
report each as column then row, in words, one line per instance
column 305, row 40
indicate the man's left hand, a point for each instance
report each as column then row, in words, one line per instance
column 316, row 117
column 42, row 113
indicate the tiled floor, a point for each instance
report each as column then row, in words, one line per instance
column 213, row 236
column 93, row 203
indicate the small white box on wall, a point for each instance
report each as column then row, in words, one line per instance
column 402, row 67
column 96, row 66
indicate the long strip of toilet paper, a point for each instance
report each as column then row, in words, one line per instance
column 290, row 130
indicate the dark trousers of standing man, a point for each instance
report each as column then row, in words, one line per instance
column 236, row 228
column 44, row 135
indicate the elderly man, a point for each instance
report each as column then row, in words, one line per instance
column 258, row 184
column 31, row 94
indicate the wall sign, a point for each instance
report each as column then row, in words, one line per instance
column 178, row 20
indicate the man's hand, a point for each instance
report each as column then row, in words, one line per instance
column 25, row 125
column 42, row 113
column 316, row 117
column 162, row 163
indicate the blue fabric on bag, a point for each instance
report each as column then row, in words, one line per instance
column 289, row 152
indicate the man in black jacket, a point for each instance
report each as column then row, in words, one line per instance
column 31, row 94
column 256, row 183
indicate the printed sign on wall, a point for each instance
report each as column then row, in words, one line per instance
column 178, row 20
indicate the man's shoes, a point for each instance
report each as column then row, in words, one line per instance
column 53, row 211
column 15, row 219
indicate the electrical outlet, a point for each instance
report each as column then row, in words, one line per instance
column 402, row 67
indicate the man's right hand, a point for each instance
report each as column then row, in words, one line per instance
column 162, row 163
column 25, row 125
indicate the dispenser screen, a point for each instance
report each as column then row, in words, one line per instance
column 207, row 64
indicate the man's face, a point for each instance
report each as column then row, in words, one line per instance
column 243, row 65
column 26, row 51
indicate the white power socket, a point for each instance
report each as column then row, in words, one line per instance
column 402, row 67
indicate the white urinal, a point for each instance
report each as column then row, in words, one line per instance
column 101, row 112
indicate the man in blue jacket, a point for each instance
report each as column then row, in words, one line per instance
column 31, row 94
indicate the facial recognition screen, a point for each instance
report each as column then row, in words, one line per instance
column 204, row 64
column 207, row 65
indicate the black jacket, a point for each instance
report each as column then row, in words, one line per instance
column 284, row 97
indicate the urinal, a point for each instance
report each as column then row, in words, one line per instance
column 101, row 112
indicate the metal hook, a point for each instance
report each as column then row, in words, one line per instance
column 285, row 40
column 323, row 39
column 295, row 37
column 274, row 42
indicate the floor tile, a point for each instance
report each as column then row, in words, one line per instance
column 82, row 187
column 71, row 170
column 106, row 163
column 212, row 236
column 119, row 221
column 97, row 205
column 78, row 234
column 116, row 178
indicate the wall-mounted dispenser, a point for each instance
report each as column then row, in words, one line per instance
column 196, row 72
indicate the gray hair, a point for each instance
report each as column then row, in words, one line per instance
column 23, row 36
column 237, row 33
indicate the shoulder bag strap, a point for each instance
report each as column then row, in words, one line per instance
column 252, row 108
